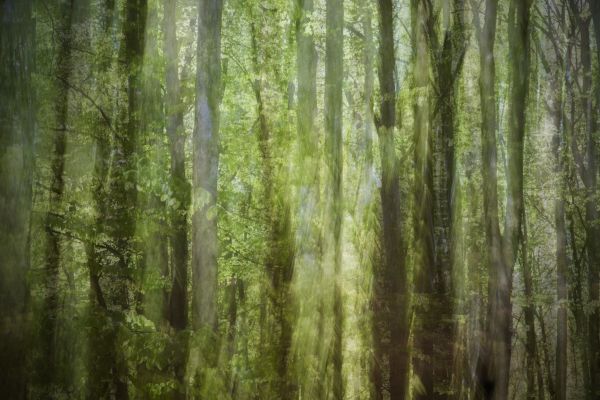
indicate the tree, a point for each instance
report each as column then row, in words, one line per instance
column 333, row 124
column 390, row 295
column 48, row 332
column 16, row 163
column 205, row 167
column 178, row 299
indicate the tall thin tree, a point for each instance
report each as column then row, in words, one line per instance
column 334, row 75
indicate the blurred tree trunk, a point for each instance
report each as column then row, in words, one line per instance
column 280, row 250
column 101, row 342
column 586, row 165
column 529, row 311
column 17, row 124
column 561, row 243
column 204, row 183
column 390, row 296
column 486, row 38
column 334, row 76
column 178, row 299
column 425, row 274
column 117, row 203
column 309, row 252
column 177, row 314
column 502, row 251
column 49, row 368
column 435, row 188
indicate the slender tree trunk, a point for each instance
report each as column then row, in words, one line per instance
column 175, row 132
column 334, row 76
column 589, row 177
column 487, row 36
column 16, row 172
column 48, row 365
column 390, row 297
column 101, row 344
column 204, row 184
column 178, row 300
column 423, row 359
column 116, row 214
column 529, row 311
column 502, row 250
column 561, row 250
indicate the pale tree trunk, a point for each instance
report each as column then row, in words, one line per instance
column 204, row 189
column 423, row 189
column 16, row 165
column 334, row 76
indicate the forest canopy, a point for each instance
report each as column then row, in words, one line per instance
column 300, row 199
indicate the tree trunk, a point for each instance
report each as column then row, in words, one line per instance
column 48, row 332
column 334, row 76
column 487, row 34
column 561, row 249
column 116, row 214
column 204, row 183
column 589, row 177
column 390, row 297
column 101, row 344
column 16, row 165
column 180, row 187
column 423, row 359
column 178, row 300
column 280, row 251
column 529, row 311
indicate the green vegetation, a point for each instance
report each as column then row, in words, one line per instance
column 299, row 199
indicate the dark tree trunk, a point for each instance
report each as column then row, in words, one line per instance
column 390, row 297
column 487, row 35
column 334, row 76
column 561, row 248
column 529, row 311
column 116, row 209
column 17, row 111
column 48, row 327
column 502, row 251
column 177, row 314
column 101, row 355
column 435, row 188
